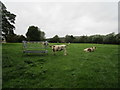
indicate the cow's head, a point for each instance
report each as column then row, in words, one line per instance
column 52, row 46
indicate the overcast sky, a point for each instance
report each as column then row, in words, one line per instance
column 65, row 18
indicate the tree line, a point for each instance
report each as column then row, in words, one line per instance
column 111, row 38
column 34, row 33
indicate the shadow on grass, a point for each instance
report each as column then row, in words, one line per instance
column 34, row 55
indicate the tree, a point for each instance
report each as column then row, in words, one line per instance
column 21, row 38
column 42, row 35
column 7, row 22
column 83, row 39
column 55, row 39
column 109, row 39
column 72, row 38
column 97, row 38
column 69, row 38
column 117, row 37
column 35, row 34
column 15, row 38
column 76, row 40
column 89, row 40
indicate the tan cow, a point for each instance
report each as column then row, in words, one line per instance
column 56, row 48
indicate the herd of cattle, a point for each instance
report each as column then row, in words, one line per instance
column 56, row 48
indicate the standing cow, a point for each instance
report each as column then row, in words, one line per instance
column 56, row 48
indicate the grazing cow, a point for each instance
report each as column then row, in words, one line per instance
column 59, row 48
column 90, row 49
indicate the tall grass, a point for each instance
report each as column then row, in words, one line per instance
column 78, row 69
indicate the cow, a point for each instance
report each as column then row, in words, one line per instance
column 45, row 44
column 56, row 48
column 90, row 49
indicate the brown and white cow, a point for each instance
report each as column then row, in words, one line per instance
column 90, row 49
column 56, row 48
column 44, row 44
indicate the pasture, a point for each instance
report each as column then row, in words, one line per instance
column 78, row 69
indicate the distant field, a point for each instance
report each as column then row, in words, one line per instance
column 78, row 69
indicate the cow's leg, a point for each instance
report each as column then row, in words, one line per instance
column 53, row 52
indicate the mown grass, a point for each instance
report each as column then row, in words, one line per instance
column 78, row 69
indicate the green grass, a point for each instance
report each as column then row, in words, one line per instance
column 78, row 69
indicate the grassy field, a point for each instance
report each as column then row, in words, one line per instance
column 78, row 69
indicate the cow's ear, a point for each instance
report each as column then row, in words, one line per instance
column 50, row 46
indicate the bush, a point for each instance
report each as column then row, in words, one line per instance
column 15, row 38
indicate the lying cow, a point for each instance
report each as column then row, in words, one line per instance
column 59, row 48
column 90, row 49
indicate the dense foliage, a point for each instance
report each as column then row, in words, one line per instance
column 7, row 22
column 35, row 34
column 111, row 38
column 55, row 39
column 15, row 38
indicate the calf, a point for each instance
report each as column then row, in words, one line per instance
column 59, row 48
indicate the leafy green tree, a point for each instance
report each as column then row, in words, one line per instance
column 69, row 38
column 35, row 34
column 62, row 39
column 109, row 39
column 97, row 39
column 76, row 39
column 89, row 40
column 117, row 37
column 55, row 39
column 83, row 39
column 21, row 38
column 15, row 38
column 7, row 22
column 42, row 35
column 72, row 38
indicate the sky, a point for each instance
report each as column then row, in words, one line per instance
column 65, row 18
